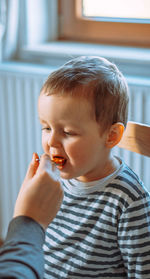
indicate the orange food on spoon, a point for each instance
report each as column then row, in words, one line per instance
column 58, row 160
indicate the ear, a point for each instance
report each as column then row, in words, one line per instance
column 115, row 134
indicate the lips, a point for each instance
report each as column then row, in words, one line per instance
column 59, row 160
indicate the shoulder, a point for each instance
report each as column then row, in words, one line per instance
column 128, row 188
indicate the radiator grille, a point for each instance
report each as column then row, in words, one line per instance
column 20, row 133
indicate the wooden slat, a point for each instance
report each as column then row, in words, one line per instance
column 136, row 138
column 1, row 242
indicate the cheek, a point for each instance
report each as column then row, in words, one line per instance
column 79, row 151
column 83, row 151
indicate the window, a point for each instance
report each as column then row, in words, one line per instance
column 117, row 10
column 100, row 21
column 58, row 30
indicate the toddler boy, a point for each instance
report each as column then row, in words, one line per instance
column 102, row 229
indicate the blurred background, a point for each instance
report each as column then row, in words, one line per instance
column 36, row 37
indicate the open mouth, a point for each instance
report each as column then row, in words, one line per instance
column 59, row 161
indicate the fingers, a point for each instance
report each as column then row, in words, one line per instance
column 40, row 195
column 47, row 166
column 45, row 163
column 33, row 166
column 37, row 167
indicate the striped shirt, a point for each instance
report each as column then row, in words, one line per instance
column 102, row 230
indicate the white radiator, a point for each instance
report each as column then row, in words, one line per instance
column 20, row 133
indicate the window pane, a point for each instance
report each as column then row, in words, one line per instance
column 127, row 9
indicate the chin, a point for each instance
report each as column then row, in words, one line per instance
column 67, row 176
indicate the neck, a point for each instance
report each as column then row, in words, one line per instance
column 108, row 167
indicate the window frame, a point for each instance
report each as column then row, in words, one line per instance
column 74, row 27
column 49, row 49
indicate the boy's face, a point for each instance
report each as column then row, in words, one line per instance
column 69, row 130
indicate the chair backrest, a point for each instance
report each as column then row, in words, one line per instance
column 136, row 138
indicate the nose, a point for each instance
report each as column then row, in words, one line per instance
column 54, row 140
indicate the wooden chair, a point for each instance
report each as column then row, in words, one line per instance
column 1, row 242
column 136, row 138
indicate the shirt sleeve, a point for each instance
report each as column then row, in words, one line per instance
column 134, row 238
column 21, row 256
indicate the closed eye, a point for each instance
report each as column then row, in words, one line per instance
column 46, row 129
column 70, row 133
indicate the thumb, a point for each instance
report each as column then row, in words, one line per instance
column 47, row 166
column 33, row 166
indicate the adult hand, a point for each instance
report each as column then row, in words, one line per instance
column 40, row 195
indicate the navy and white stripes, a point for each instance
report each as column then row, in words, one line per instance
column 101, row 231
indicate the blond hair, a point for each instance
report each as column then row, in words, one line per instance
column 96, row 79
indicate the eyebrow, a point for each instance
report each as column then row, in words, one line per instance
column 42, row 121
